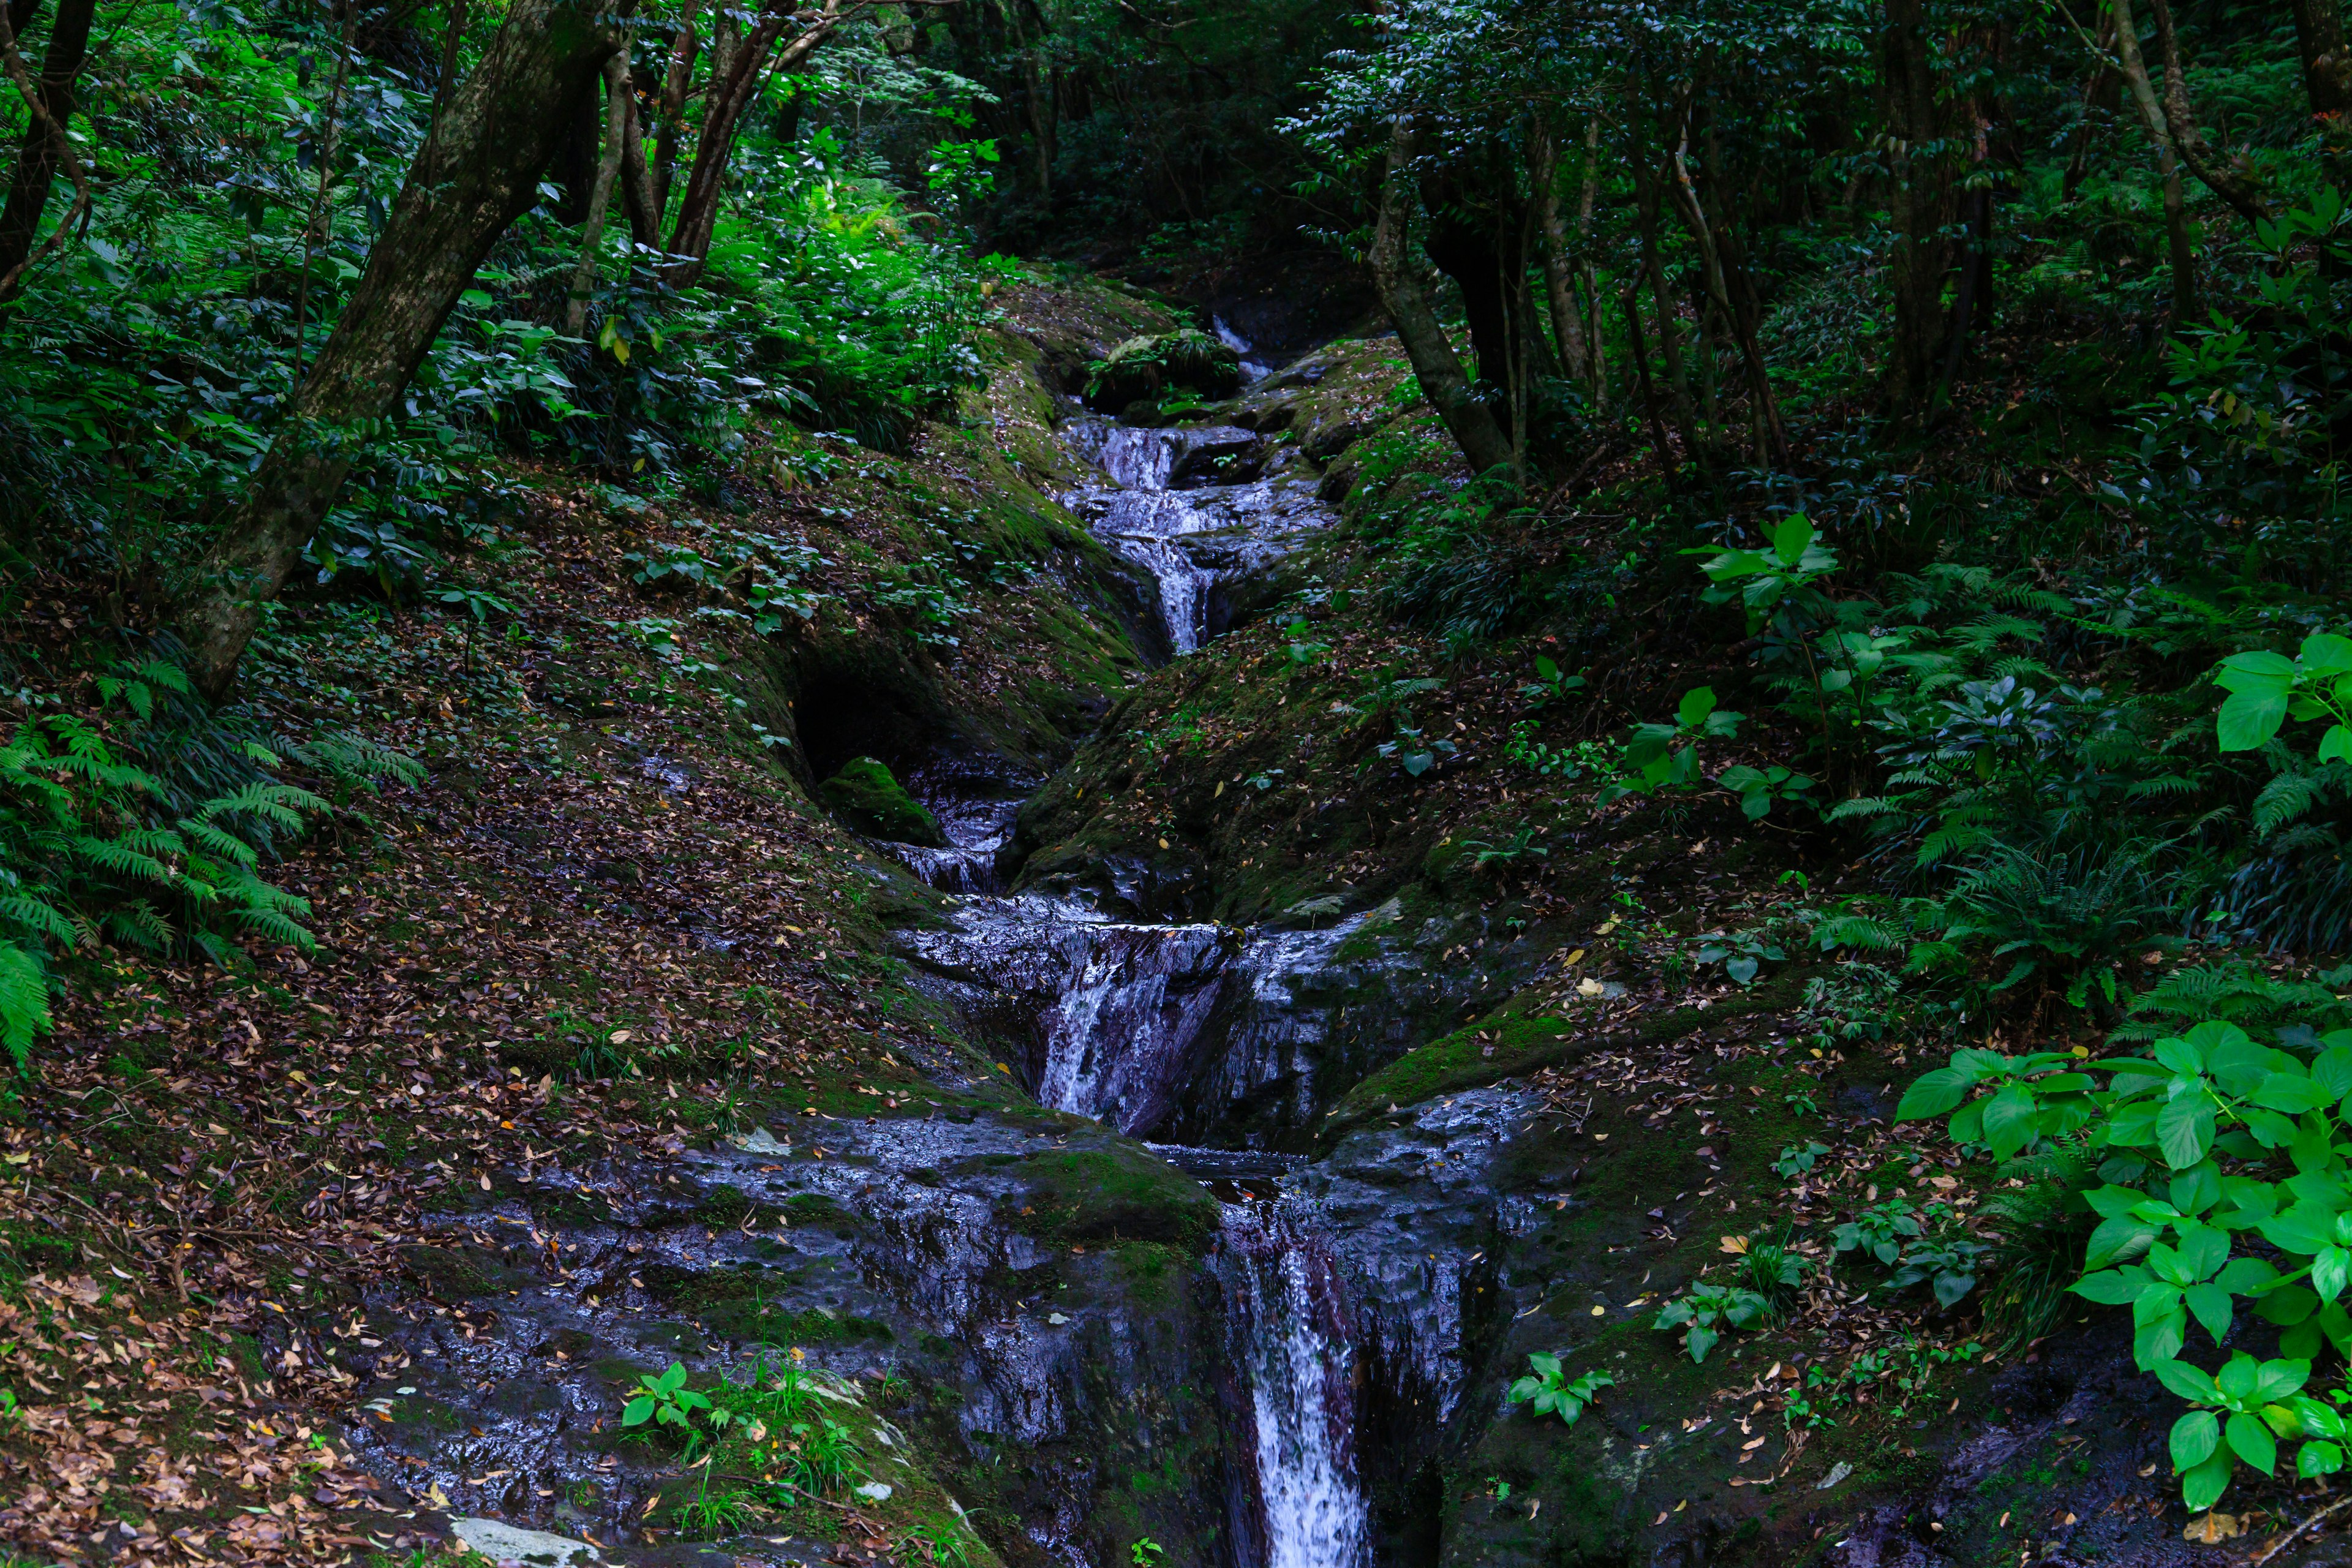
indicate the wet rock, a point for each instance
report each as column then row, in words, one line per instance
column 1148, row 367
column 867, row 796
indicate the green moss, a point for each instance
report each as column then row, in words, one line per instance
column 460, row 1273
column 866, row 795
column 1117, row 1193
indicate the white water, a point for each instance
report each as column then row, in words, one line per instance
column 1289, row 1324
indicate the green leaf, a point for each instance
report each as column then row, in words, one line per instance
column 1695, row 705
column 2251, row 1441
column 2335, row 746
column 2277, row 1379
column 2184, row 1129
column 2112, row 1287
column 2292, row 1094
column 2194, row 1438
column 635, row 1412
column 2248, row 719
column 2256, row 671
column 2192, row 1384
column 1702, row 1340
column 2209, row 1303
column 1934, row 1093
column 2009, row 1121
column 2318, row 1459
column 2324, row 654
column 1791, row 538
column 2202, row 1486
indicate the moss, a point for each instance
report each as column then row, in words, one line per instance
column 1117, row 1193
column 744, row 1305
column 1153, row 1271
column 866, row 795
column 1505, row 1046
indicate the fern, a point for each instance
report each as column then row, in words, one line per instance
column 23, row 1000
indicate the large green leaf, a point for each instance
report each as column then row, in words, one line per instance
column 2194, row 1438
column 2251, row 1441
column 2184, row 1131
column 2191, row 1383
column 1934, row 1093
column 2248, row 719
column 2202, row 1486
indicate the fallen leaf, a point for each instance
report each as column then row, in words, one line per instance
column 2209, row 1528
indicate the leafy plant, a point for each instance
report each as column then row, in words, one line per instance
column 1666, row 756
column 1760, row 789
column 665, row 1401
column 1742, row 954
column 1551, row 684
column 1879, row 1231
column 1947, row 1263
column 2258, row 1399
column 1797, row 1159
column 2266, row 689
column 1549, row 1391
column 1706, row 1311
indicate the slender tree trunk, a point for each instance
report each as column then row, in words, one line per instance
column 1645, row 211
column 1736, row 319
column 46, row 147
column 1567, row 327
column 1668, row 465
column 2099, row 98
column 637, row 182
column 2232, row 185
column 1435, row 363
column 600, row 193
column 1591, row 295
column 685, row 43
column 1923, row 197
column 2327, row 63
column 478, row 172
column 2176, row 208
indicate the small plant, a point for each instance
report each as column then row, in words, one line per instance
column 1522, row 844
column 1303, row 648
column 1414, row 754
column 1758, row 788
column 1949, row 1263
column 1742, row 954
column 942, row 1545
column 1551, row 684
column 2254, row 1396
column 479, row 605
column 1666, row 756
column 2266, row 689
column 1772, row 1269
column 1878, row 1231
column 1797, row 1159
column 665, row 1401
column 1708, row 1311
column 1549, row 1391
column 710, row 1515
column 1144, row 1551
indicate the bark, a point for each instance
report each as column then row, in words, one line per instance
column 1560, row 293
column 685, row 43
column 2151, row 119
column 1645, row 214
column 1439, row 369
column 1591, row 299
column 47, row 148
column 2234, row 185
column 2099, row 99
column 638, row 183
column 1737, row 319
column 1479, row 253
column 1667, row 465
column 2326, row 64
column 600, row 193
column 477, row 174
column 1923, row 200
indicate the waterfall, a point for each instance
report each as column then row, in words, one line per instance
column 1287, row 1322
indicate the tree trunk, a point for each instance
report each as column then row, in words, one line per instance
column 600, row 193
column 2327, row 65
column 745, row 62
column 2231, row 185
column 1646, row 213
column 1923, row 198
column 2099, row 98
column 684, row 45
column 1591, row 297
column 1434, row 363
column 2176, row 210
column 1737, row 319
column 476, row 176
column 1567, row 326
column 638, row 183
column 46, row 146
column 1668, row 465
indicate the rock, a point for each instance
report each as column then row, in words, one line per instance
column 866, row 795
column 503, row 1543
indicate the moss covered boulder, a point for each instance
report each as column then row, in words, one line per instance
column 1146, row 369
column 866, row 795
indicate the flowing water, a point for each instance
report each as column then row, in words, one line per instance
column 1118, row 1010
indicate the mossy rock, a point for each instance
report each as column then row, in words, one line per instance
column 1114, row 1194
column 866, row 795
column 1146, row 369
column 460, row 1273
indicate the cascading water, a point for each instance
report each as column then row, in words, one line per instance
column 1286, row 1321
column 1118, row 1009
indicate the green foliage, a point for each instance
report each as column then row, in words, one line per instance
column 1797, row 1158
column 1706, row 1311
column 1742, row 953
column 2191, row 1139
column 2266, row 689
column 1549, row 1391
column 665, row 1401
column 1879, row 1231
column 1666, row 756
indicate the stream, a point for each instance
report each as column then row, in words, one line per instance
column 1321, row 1345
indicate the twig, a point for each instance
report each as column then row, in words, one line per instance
column 2289, row 1538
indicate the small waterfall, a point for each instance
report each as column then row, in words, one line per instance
column 1195, row 506
column 1287, row 1320
column 1118, row 1041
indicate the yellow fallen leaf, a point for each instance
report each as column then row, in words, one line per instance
column 1588, row 987
column 1574, row 958
column 1163, row 844
column 1600, row 1312
column 1738, row 1244
column 2210, row 1528
column 1659, row 1520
